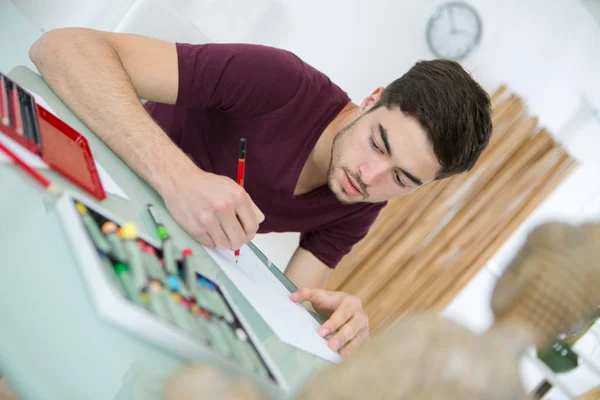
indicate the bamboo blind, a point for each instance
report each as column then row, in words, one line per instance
column 425, row 247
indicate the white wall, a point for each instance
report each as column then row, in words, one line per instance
column 545, row 50
column 96, row 14
column 17, row 34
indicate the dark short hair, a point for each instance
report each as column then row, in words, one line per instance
column 451, row 107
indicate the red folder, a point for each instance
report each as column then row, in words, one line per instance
column 64, row 149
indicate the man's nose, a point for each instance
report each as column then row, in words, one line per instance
column 372, row 174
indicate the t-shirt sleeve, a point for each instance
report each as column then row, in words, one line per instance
column 242, row 80
column 332, row 243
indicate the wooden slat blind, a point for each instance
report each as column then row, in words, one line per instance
column 426, row 246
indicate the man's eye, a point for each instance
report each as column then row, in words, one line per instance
column 374, row 145
column 399, row 180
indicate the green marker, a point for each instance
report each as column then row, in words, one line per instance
column 167, row 244
column 126, row 279
column 117, row 283
column 160, row 228
column 116, row 245
column 163, row 235
column 92, row 227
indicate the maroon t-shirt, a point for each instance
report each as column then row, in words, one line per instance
column 281, row 105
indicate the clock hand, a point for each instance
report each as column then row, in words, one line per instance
column 452, row 25
column 461, row 32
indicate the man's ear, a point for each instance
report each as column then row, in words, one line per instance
column 370, row 100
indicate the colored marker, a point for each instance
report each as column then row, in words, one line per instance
column 197, row 295
column 171, row 282
column 167, row 243
column 176, row 284
column 114, row 277
column 218, row 302
column 116, row 246
column 174, row 300
column 161, row 231
column 98, row 238
column 178, row 311
column 129, row 234
column 158, row 301
column 189, row 322
column 126, row 279
column 241, row 175
column 189, row 272
column 153, row 264
column 217, row 337
column 169, row 256
column 202, row 319
column 202, row 298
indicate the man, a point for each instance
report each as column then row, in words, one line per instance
column 316, row 162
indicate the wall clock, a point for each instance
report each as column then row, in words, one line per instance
column 454, row 30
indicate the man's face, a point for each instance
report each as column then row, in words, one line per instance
column 381, row 155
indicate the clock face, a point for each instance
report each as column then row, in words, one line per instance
column 453, row 31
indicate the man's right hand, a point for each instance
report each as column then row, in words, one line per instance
column 214, row 209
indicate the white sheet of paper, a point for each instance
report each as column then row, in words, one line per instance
column 258, row 273
column 289, row 320
column 109, row 184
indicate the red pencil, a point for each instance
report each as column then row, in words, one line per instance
column 27, row 168
column 240, row 176
column 16, row 108
column 4, row 116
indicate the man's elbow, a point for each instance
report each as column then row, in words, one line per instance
column 49, row 46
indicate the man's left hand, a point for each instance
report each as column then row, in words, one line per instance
column 346, row 316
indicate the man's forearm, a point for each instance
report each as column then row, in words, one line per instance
column 88, row 75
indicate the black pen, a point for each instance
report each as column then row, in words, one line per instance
column 29, row 116
column 25, row 115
